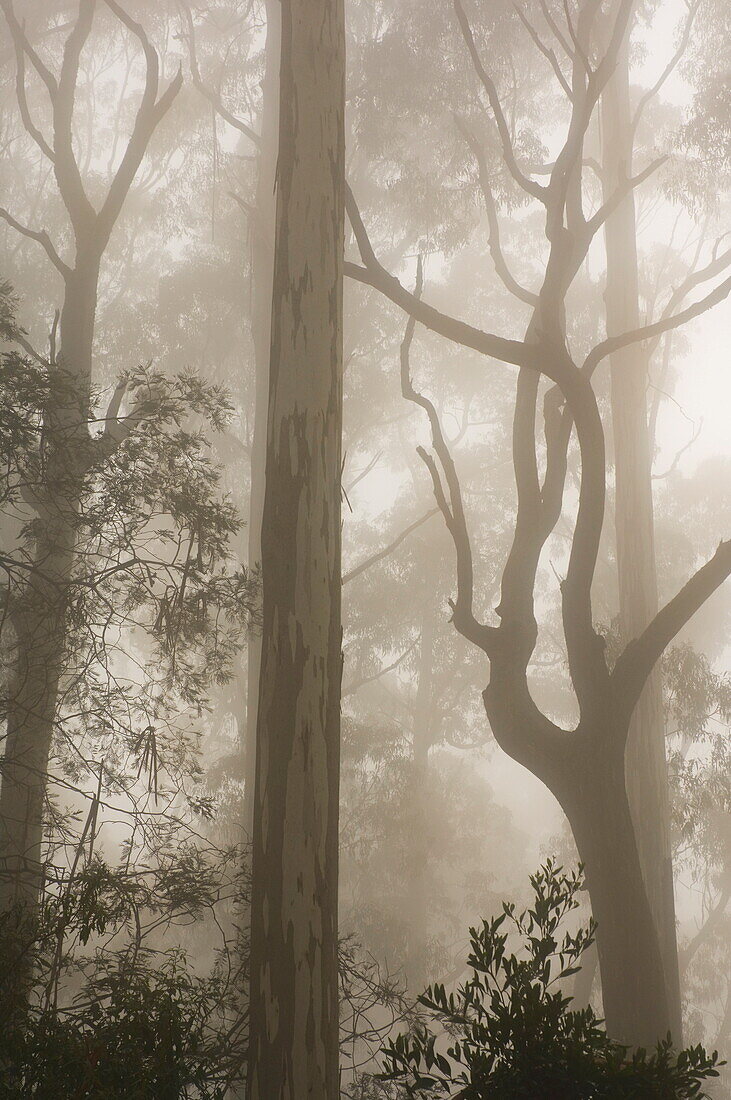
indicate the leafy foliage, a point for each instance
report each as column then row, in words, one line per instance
column 509, row 1031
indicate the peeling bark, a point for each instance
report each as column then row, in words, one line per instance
column 293, row 1002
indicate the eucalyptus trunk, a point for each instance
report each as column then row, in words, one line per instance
column 645, row 762
column 293, row 1016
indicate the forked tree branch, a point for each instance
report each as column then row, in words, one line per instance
column 375, row 275
column 149, row 114
column 208, row 93
column 547, row 52
column 22, row 98
column 657, row 328
column 669, row 68
column 452, row 509
column 641, row 654
column 66, row 167
column 21, row 39
column 41, row 236
column 498, row 257
column 537, row 190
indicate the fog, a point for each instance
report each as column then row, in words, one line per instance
column 365, row 506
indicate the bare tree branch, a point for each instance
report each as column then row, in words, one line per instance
column 547, row 52
column 505, row 274
column 375, row 275
column 557, row 32
column 614, row 343
column 350, row 689
column 641, row 654
column 22, row 98
column 213, row 97
column 66, row 167
column 41, row 237
column 452, row 510
column 596, row 221
column 388, row 550
column 537, row 190
column 20, row 37
column 669, row 68
column 149, row 114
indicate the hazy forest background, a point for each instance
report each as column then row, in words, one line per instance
column 553, row 172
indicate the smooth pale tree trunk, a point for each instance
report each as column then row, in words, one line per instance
column 417, row 898
column 293, row 1016
column 646, row 765
column 262, row 264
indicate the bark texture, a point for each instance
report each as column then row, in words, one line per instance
column 646, row 765
column 293, row 1050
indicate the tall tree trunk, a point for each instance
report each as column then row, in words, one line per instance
column 39, row 619
column 262, row 263
column 293, row 1018
column 417, row 899
column 636, row 1007
column 585, row 772
column 646, row 766
column 40, row 612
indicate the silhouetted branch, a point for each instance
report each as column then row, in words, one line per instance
column 707, row 929
column 388, row 550
column 41, row 237
column 213, row 97
column 22, row 98
column 640, row 655
column 537, row 190
column 149, row 114
column 68, row 175
column 615, row 343
column 375, row 275
column 669, row 68
column 20, row 39
column 498, row 258
column 452, row 509
column 547, row 52
column 597, row 220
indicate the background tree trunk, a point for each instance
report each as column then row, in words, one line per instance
column 417, row 900
column 293, row 1046
column 262, row 263
column 40, row 618
column 646, row 766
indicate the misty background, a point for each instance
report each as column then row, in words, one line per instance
column 151, row 745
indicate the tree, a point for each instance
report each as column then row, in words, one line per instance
column 646, row 767
column 69, row 452
column 261, row 224
column 294, row 1013
column 584, row 766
